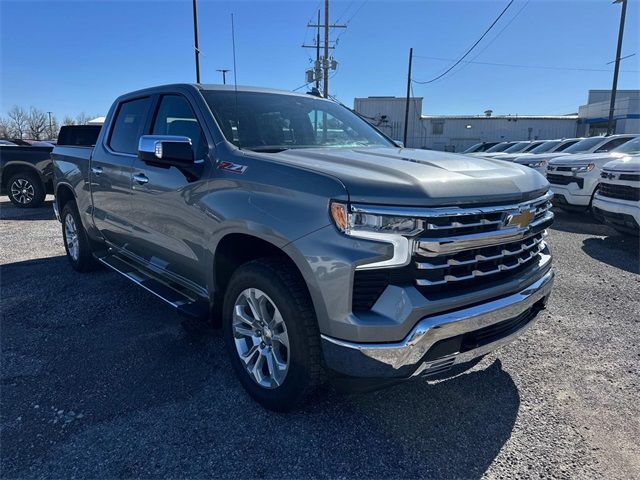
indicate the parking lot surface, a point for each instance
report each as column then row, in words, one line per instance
column 100, row 380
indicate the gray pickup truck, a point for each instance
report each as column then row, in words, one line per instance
column 322, row 248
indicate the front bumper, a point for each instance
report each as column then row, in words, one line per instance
column 441, row 341
column 570, row 195
column 619, row 213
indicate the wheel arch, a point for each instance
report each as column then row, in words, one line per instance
column 16, row 167
column 236, row 249
column 64, row 193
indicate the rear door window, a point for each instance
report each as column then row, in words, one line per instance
column 128, row 124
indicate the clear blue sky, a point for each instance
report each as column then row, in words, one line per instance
column 77, row 56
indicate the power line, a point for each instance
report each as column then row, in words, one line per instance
column 470, row 49
column 515, row 65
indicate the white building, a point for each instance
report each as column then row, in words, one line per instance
column 594, row 116
column 457, row 132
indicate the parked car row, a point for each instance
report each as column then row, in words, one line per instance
column 600, row 173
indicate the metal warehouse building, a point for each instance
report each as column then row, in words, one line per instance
column 457, row 132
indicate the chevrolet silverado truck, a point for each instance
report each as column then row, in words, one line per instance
column 617, row 199
column 574, row 178
column 323, row 248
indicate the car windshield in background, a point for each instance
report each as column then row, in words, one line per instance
column 518, row 147
column 272, row 122
column 501, row 147
column 473, row 148
column 631, row 147
column 545, row 147
column 584, row 145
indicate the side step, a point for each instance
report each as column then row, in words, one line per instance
column 186, row 303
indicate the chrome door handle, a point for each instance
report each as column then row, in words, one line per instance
column 141, row 178
column 96, row 170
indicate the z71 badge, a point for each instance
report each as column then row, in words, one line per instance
column 232, row 167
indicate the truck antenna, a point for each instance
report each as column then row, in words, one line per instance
column 235, row 77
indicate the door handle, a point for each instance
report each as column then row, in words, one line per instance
column 141, row 178
column 96, row 170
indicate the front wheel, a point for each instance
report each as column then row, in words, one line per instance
column 271, row 334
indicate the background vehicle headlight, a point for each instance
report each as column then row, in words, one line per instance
column 540, row 164
column 583, row 168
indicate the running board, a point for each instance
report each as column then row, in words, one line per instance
column 184, row 302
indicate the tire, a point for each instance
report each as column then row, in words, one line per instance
column 78, row 246
column 272, row 280
column 25, row 190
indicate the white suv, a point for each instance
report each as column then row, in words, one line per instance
column 574, row 178
column 617, row 199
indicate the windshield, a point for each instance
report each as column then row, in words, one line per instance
column 545, row 147
column 518, row 147
column 474, row 148
column 584, row 145
column 632, row 146
column 272, row 122
column 500, row 147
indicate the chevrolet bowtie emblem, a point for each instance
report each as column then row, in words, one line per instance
column 521, row 219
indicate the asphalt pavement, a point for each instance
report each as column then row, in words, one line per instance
column 99, row 380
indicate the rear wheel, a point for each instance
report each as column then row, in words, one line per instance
column 271, row 334
column 26, row 190
column 76, row 242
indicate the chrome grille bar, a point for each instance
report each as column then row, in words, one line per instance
column 479, row 273
column 452, row 262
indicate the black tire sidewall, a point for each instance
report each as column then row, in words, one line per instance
column 38, row 189
column 285, row 397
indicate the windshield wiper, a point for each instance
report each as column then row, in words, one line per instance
column 267, row 149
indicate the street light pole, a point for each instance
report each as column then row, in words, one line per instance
column 224, row 74
column 614, row 87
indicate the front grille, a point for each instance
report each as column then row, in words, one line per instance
column 465, row 249
column 564, row 179
column 621, row 192
column 630, row 177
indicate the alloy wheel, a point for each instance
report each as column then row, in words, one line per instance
column 22, row 191
column 71, row 237
column 261, row 338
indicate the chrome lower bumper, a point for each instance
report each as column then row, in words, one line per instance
column 413, row 355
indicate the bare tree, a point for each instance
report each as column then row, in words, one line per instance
column 5, row 128
column 82, row 119
column 37, row 123
column 18, row 121
column 67, row 120
column 53, row 128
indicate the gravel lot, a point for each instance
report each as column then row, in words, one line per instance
column 100, row 380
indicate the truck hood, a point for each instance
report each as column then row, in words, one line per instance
column 599, row 158
column 412, row 177
column 629, row 163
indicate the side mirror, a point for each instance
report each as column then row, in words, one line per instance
column 399, row 143
column 169, row 150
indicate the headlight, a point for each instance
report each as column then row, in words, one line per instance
column 384, row 228
column 583, row 168
column 540, row 164
column 353, row 222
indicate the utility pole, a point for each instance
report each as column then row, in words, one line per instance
column 195, row 37
column 224, row 74
column 406, row 108
column 325, row 60
column 614, row 87
column 317, row 65
column 323, row 63
column 50, row 125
